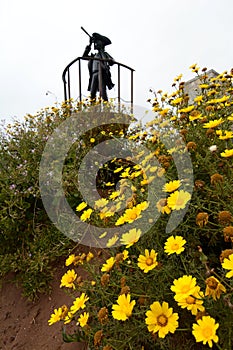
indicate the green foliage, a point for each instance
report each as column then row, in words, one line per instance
column 29, row 242
column 205, row 126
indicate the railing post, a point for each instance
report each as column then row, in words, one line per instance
column 69, row 84
column 131, row 91
column 79, row 75
column 119, row 84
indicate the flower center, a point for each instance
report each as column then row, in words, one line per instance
column 190, row 300
column 212, row 284
column 207, row 332
column 162, row 320
column 175, row 246
column 70, row 279
column 179, row 200
column 149, row 261
column 133, row 216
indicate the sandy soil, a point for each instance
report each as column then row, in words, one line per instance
column 24, row 324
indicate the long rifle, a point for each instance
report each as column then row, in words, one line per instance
column 86, row 32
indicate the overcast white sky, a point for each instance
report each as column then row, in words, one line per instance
column 158, row 38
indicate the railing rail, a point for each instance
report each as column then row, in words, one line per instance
column 67, row 83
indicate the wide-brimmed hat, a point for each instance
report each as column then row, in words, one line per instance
column 103, row 39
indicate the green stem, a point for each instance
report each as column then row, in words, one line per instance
column 185, row 268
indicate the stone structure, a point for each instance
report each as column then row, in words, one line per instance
column 191, row 87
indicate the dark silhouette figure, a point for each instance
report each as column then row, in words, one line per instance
column 94, row 66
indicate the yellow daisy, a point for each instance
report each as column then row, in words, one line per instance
column 100, row 203
column 70, row 259
column 124, row 307
column 178, row 199
column 112, row 241
column 55, row 317
column 131, row 237
column 148, row 261
column 108, row 264
column 86, row 214
column 228, row 265
column 161, row 319
column 213, row 123
column 183, row 287
column 205, row 330
column 193, row 302
column 224, row 135
column 68, row 279
column 171, row 186
column 227, row 153
column 83, row 319
column 174, row 245
column 132, row 214
column 79, row 303
column 162, row 206
column 81, row 206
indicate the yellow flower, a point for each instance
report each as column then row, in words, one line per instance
column 69, row 317
column 112, row 241
column 100, row 203
column 183, row 287
column 193, row 66
column 148, row 261
column 108, row 264
column 214, row 288
column 194, row 115
column 68, row 279
column 178, row 199
column 198, row 98
column 177, row 101
column 114, row 194
column 120, row 221
column 186, row 110
column 92, row 140
column 213, row 123
column 171, row 186
column 131, row 237
column 86, row 214
column 83, row 318
column 162, row 206
column 56, row 316
column 70, row 259
column 161, row 319
column 143, row 205
column 204, row 86
column 226, row 135
column 89, row 256
column 227, row 153
column 125, row 254
column 124, row 307
column 79, row 303
column 228, row 265
column 205, row 330
column 81, row 206
column 132, row 214
column 174, row 245
column 193, row 302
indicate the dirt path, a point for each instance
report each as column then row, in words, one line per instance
column 24, row 325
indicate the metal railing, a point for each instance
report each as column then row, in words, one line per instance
column 67, row 81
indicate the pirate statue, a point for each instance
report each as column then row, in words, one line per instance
column 94, row 66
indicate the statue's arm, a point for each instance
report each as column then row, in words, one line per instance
column 87, row 51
